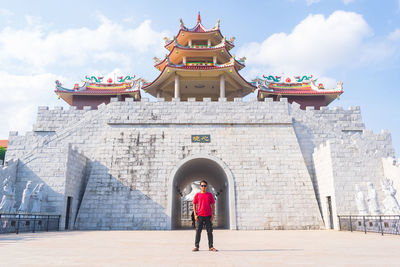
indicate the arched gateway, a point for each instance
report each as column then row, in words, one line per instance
column 217, row 174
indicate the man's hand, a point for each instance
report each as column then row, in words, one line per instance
column 212, row 218
column 196, row 217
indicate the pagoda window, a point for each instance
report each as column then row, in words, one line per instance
column 199, row 43
column 199, row 61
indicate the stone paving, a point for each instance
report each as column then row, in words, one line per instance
column 173, row 248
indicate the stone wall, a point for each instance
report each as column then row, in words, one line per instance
column 129, row 149
column 49, row 120
column 354, row 160
column 76, row 180
column 314, row 127
column 391, row 170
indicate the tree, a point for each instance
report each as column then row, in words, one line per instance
column 2, row 153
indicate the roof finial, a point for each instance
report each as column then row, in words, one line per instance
column 198, row 18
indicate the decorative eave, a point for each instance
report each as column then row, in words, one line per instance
column 161, row 65
column 182, row 32
column 199, row 27
column 300, row 92
column 329, row 95
column 124, row 88
column 169, row 69
column 166, row 62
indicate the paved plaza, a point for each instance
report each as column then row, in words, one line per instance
column 173, row 248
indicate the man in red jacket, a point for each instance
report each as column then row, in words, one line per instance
column 204, row 211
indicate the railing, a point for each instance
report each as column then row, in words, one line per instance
column 383, row 224
column 23, row 222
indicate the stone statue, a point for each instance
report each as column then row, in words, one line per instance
column 390, row 202
column 372, row 200
column 26, row 196
column 360, row 201
column 7, row 202
column 195, row 189
column 37, row 198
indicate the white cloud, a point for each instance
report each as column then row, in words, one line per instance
column 346, row 2
column 6, row 15
column 35, row 49
column 395, row 35
column 315, row 45
column 310, row 2
column 21, row 95
column 6, row 12
column 33, row 57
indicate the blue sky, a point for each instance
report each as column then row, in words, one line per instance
column 357, row 42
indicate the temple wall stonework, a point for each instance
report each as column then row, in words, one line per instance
column 116, row 162
column 341, row 164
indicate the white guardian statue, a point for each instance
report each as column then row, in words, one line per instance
column 390, row 202
column 37, row 198
column 7, row 202
column 372, row 200
column 195, row 186
column 26, row 196
column 360, row 201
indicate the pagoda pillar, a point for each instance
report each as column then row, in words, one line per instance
column 177, row 86
column 158, row 93
column 209, row 43
column 184, row 60
column 215, row 60
column 190, row 43
column 222, row 86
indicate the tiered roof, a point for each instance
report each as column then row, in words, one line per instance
column 295, row 86
column 93, row 85
column 199, row 52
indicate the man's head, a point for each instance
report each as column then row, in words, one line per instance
column 203, row 186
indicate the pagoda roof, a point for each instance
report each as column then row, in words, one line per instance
column 295, row 86
column 171, row 68
column 223, row 43
column 198, row 29
column 167, row 60
column 125, row 86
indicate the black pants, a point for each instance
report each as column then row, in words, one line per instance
column 199, row 227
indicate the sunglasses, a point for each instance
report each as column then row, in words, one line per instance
column 203, row 185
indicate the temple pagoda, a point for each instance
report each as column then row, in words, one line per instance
column 94, row 92
column 199, row 64
column 303, row 90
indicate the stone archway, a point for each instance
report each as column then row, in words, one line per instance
column 217, row 174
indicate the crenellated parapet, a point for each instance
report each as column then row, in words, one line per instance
column 49, row 120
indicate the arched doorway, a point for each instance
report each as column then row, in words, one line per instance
column 217, row 175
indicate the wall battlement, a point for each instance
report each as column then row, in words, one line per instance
column 50, row 120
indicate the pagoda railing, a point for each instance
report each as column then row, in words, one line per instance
column 200, row 46
column 383, row 224
column 25, row 222
column 199, row 64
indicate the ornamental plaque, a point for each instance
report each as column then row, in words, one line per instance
column 196, row 138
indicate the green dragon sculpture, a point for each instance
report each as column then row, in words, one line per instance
column 126, row 78
column 273, row 78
